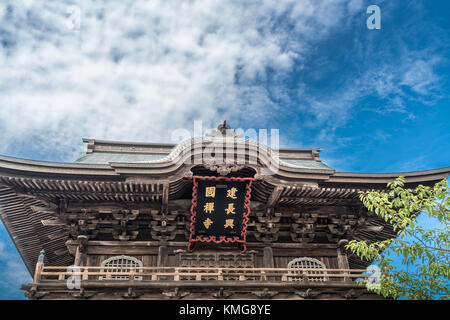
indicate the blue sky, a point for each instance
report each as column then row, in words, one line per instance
column 373, row 100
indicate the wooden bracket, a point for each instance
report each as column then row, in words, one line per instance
column 274, row 197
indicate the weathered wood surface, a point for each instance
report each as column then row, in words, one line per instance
column 268, row 258
column 163, row 256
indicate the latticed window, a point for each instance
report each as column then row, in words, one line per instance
column 298, row 264
column 123, row 264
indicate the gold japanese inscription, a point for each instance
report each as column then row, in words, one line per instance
column 207, row 223
column 230, row 209
column 210, row 192
column 231, row 193
column 209, row 207
column 229, row 223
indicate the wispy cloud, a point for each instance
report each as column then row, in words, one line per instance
column 389, row 87
column 392, row 86
column 137, row 69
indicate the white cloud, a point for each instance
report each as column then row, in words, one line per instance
column 412, row 79
column 135, row 70
column 420, row 76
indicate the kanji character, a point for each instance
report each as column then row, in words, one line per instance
column 231, row 193
column 210, row 192
column 230, row 209
column 209, row 207
column 207, row 223
column 229, row 223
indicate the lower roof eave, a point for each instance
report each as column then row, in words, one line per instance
column 425, row 176
column 142, row 284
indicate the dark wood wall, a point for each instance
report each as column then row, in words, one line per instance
column 281, row 257
column 97, row 259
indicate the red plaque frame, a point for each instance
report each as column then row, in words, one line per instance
column 240, row 240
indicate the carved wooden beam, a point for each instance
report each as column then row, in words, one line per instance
column 58, row 234
column 53, row 222
column 275, row 195
column 81, row 251
column 43, row 210
column 126, row 215
column 165, row 198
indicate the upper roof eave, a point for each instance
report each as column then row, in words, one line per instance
column 115, row 142
column 111, row 146
column 46, row 167
column 32, row 167
column 411, row 177
column 131, row 143
column 393, row 174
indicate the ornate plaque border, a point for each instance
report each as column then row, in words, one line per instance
column 240, row 240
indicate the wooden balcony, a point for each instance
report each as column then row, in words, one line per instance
column 154, row 282
column 143, row 276
column 199, row 274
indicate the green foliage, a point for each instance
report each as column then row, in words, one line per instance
column 429, row 252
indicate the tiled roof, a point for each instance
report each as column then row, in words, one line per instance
column 308, row 164
column 105, row 158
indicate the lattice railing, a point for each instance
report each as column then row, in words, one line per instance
column 198, row 274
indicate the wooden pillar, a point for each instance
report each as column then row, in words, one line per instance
column 342, row 257
column 268, row 258
column 39, row 267
column 81, row 252
column 163, row 256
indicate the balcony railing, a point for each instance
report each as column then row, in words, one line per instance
column 134, row 274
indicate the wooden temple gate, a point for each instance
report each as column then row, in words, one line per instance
column 117, row 222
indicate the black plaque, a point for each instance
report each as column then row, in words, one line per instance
column 220, row 210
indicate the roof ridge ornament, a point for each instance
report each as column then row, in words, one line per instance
column 224, row 169
column 223, row 131
column 223, row 127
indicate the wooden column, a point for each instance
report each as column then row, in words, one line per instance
column 39, row 267
column 163, row 256
column 81, row 252
column 268, row 257
column 165, row 203
column 342, row 257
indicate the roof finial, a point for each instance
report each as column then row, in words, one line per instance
column 223, row 127
column 41, row 256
